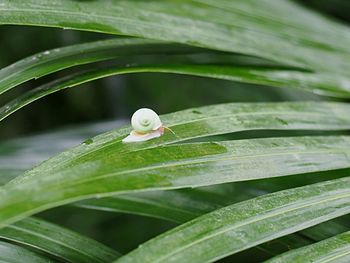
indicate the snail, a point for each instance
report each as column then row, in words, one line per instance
column 146, row 125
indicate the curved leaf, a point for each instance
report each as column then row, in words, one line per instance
column 335, row 249
column 179, row 205
column 259, row 28
column 212, row 25
column 15, row 254
column 170, row 167
column 240, row 226
column 50, row 61
column 272, row 77
column 214, row 120
column 102, row 166
column 57, row 241
column 20, row 154
column 199, row 62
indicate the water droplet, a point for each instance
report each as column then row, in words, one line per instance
column 46, row 52
column 88, row 141
column 6, row 108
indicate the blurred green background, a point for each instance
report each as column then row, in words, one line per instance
column 117, row 98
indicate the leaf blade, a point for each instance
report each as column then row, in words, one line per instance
column 107, row 166
column 16, row 254
column 57, row 59
column 57, row 241
column 334, row 249
column 128, row 18
column 258, row 220
column 225, row 26
column 270, row 77
column 101, row 183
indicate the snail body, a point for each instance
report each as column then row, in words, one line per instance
column 146, row 125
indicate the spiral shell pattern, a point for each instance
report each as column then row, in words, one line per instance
column 145, row 120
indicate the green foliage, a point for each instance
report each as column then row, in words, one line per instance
column 57, row 241
column 335, row 249
column 12, row 253
column 249, row 223
column 227, row 193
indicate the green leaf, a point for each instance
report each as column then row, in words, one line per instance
column 335, row 249
column 105, row 166
column 198, row 62
column 50, row 61
column 213, row 120
column 178, row 205
column 273, row 77
column 15, row 254
column 210, row 25
column 20, row 154
column 260, row 28
column 57, row 241
column 240, row 226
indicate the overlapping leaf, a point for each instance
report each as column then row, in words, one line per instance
column 225, row 25
column 259, row 28
column 57, row 241
column 50, row 61
column 335, row 249
column 105, row 166
column 178, row 206
column 240, row 226
column 15, row 254
column 271, row 77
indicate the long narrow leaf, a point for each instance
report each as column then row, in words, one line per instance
column 50, row 61
column 15, row 254
column 171, row 167
column 273, row 77
column 212, row 120
column 260, row 28
column 238, row 227
column 57, row 241
column 335, row 249
column 179, row 206
column 102, row 166
column 203, row 24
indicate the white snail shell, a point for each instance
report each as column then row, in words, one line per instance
column 145, row 120
column 146, row 124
